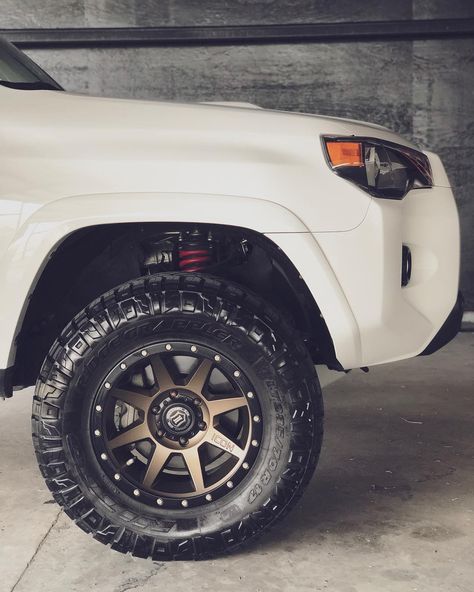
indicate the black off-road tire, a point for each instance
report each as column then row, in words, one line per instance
column 213, row 313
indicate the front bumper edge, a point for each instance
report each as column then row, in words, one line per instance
column 449, row 330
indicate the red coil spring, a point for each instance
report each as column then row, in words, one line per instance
column 194, row 259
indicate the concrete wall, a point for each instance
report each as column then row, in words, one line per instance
column 423, row 89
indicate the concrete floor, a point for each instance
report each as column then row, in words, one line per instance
column 390, row 508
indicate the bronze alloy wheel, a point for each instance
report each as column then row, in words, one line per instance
column 178, row 416
column 176, row 425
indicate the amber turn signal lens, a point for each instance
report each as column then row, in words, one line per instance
column 345, row 153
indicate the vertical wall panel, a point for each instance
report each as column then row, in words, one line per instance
column 431, row 9
column 110, row 13
column 77, row 13
column 235, row 12
column 23, row 14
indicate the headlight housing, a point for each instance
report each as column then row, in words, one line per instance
column 383, row 169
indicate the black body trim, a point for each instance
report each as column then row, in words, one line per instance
column 449, row 330
column 241, row 34
column 6, row 383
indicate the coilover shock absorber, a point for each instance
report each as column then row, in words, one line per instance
column 195, row 251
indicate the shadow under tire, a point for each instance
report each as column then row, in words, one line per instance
column 177, row 417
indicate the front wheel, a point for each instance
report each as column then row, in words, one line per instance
column 177, row 417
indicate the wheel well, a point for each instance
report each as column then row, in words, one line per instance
column 93, row 260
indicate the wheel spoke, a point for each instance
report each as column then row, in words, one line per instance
column 217, row 438
column 200, row 377
column 139, row 432
column 155, row 465
column 132, row 398
column 193, row 462
column 218, row 406
column 162, row 375
column 154, row 412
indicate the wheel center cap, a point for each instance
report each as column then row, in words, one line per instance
column 179, row 419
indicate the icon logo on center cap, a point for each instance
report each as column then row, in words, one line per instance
column 178, row 418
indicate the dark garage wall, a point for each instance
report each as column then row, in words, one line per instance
column 422, row 89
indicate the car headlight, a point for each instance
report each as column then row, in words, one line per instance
column 382, row 168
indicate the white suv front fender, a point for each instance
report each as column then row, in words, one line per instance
column 41, row 233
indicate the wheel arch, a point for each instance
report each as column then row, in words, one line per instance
column 43, row 230
column 47, row 236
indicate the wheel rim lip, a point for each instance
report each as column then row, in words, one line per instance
column 237, row 474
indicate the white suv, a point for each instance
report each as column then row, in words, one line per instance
column 174, row 272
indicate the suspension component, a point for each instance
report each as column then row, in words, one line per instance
column 160, row 254
column 195, row 251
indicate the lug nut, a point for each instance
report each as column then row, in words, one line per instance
column 155, row 410
column 160, row 433
column 197, row 402
column 183, row 441
column 202, row 425
column 173, row 395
